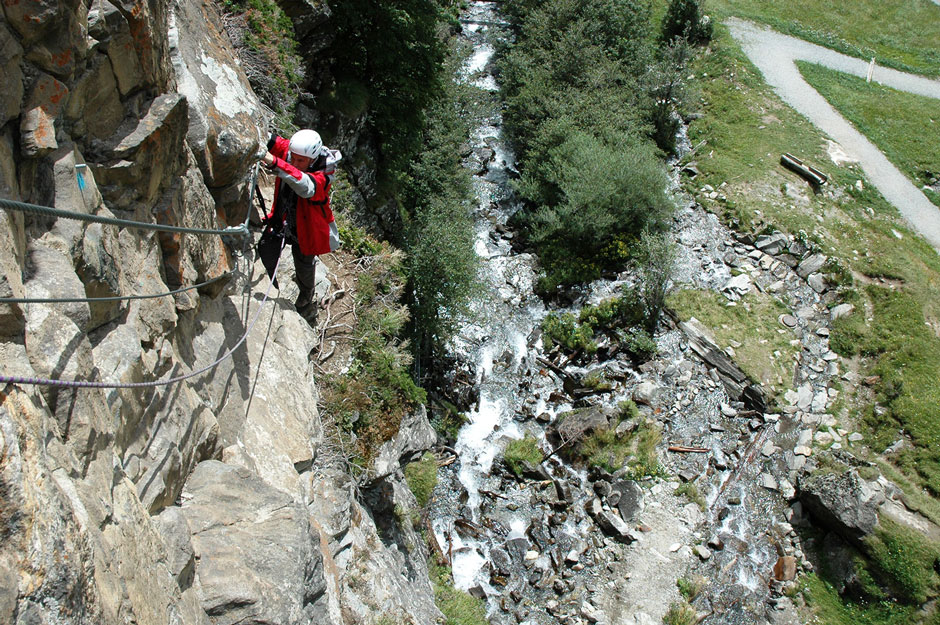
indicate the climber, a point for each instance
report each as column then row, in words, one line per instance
column 300, row 214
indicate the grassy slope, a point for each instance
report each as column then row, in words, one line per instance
column 761, row 344
column 899, row 33
column 745, row 128
column 904, row 126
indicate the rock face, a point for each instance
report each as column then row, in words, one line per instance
column 211, row 500
column 843, row 502
column 259, row 556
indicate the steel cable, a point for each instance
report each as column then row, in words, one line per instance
column 5, row 379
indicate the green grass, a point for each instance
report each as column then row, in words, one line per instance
column 691, row 587
column 680, row 614
column 422, row 478
column 521, row 451
column 897, row 281
column 690, row 491
column 831, row 609
column 764, row 352
column 635, row 449
column 906, row 560
column 458, row 607
column 906, row 127
column 900, row 33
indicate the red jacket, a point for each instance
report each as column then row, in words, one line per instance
column 313, row 214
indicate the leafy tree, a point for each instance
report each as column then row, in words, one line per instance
column 667, row 87
column 390, row 55
column 607, row 192
column 438, row 234
column 656, row 264
column 687, row 19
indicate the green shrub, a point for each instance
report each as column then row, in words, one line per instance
column 578, row 112
column 656, row 265
column 393, row 51
column 371, row 397
column 686, row 19
column 635, row 449
column 563, row 330
column 273, row 65
column 521, row 451
column 422, row 478
column 680, row 614
column 436, row 196
column 690, row 491
column 619, row 190
column 640, row 344
column 690, row 588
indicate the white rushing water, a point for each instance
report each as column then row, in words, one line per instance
column 503, row 317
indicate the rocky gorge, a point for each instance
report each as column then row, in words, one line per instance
column 755, row 482
column 224, row 499
column 213, row 500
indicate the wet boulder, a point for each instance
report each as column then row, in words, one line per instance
column 574, row 425
column 630, row 499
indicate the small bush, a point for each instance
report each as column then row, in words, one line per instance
column 690, row 492
column 422, row 478
column 690, row 588
column 641, row 345
column 680, row 614
column 521, row 451
column 656, row 264
column 563, row 330
column 686, row 19
column 369, row 400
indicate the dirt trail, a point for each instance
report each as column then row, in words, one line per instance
column 774, row 55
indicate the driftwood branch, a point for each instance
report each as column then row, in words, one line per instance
column 682, row 449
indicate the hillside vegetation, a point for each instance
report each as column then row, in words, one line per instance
column 887, row 272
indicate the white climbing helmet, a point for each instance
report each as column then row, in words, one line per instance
column 306, row 143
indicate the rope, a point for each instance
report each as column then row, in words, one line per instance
column 91, row 384
column 116, row 298
column 47, row 211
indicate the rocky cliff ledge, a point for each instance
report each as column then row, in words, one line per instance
column 214, row 500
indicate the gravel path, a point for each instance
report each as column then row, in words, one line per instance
column 774, row 55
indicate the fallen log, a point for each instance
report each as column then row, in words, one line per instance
column 811, row 174
column 682, row 449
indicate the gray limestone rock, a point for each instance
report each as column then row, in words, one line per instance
column 415, row 435
column 180, row 559
column 811, row 264
column 225, row 116
column 772, row 243
column 843, row 502
column 258, row 557
column 842, row 310
column 817, row 282
column 631, row 499
column 11, row 96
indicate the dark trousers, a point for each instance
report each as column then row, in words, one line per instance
column 305, row 270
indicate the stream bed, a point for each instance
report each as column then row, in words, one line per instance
column 565, row 544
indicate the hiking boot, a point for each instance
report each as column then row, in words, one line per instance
column 309, row 313
column 303, row 300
